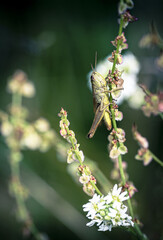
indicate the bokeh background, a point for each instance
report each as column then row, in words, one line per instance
column 55, row 42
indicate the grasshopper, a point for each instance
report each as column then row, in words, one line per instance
column 101, row 102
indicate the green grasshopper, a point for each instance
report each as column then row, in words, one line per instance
column 101, row 102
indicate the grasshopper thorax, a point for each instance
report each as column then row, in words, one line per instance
column 97, row 80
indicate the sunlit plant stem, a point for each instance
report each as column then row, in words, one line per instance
column 137, row 229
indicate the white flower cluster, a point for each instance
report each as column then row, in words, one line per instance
column 108, row 211
column 21, row 134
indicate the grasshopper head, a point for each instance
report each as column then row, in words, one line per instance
column 97, row 80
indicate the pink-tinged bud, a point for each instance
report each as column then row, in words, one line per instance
column 80, row 169
column 63, row 132
column 93, row 179
column 131, row 188
column 153, row 102
column 120, row 82
column 62, row 113
column 121, row 40
column 141, row 140
column 118, row 56
column 118, row 115
column 144, row 155
column 63, row 123
column 127, row 17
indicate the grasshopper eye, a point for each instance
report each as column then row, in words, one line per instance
column 92, row 78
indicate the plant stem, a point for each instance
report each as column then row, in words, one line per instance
column 81, row 163
column 136, row 227
column 16, row 100
column 15, row 176
column 117, row 50
column 96, row 188
column 156, row 159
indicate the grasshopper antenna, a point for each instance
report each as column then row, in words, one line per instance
column 92, row 67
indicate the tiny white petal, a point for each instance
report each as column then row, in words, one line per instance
column 91, row 223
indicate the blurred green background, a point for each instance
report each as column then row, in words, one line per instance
column 55, row 42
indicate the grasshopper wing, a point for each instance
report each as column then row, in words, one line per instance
column 96, row 121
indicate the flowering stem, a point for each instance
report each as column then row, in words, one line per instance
column 16, row 99
column 15, row 176
column 118, row 44
column 156, row 159
column 81, row 163
column 96, row 188
column 137, row 229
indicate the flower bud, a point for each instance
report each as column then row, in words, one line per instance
column 84, row 178
column 118, row 115
column 6, row 128
column 88, row 189
column 114, row 153
column 62, row 113
column 81, row 154
column 131, row 189
column 63, row 132
column 144, row 155
column 102, row 213
column 71, row 156
column 138, row 137
column 27, row 90
column 63, row 123
column 120, row 133
column 42, row 125
column 122, row 149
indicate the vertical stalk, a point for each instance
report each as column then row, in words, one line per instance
column 15, row 176
column 136, row 227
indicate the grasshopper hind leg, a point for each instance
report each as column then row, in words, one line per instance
column 96, row 121
column 107, row 120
